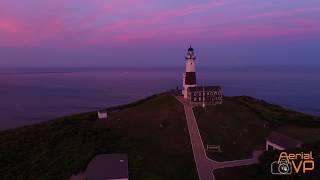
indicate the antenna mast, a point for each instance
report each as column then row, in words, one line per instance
column 203, row 104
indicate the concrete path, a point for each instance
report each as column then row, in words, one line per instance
column 205, row 166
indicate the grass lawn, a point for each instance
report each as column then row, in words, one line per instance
column 241, row 124
column 278, row 115
column 53, row 149
column 152, row 131
column 159, row 130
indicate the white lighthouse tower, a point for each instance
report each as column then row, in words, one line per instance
column 189, row 77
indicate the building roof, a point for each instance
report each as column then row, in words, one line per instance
column 108, row 166
column 283, row 140
column 190, row 78
column 205, row 88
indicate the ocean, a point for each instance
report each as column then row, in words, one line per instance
column 32, row 95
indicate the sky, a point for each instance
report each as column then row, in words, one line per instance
column 150, row 33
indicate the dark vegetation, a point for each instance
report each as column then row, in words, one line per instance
column 54, row 149
column 152, row 131
column 294, row 124
column 159, row 131
column 241, row 124
column 278, row 115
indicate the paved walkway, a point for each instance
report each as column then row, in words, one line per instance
column 205, row 166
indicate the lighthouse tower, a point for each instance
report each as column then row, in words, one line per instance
column 189, row 77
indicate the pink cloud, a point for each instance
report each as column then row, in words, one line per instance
column 8, row 26
column 297, row 28
column 116, row 6
column 134, row 29
column 288, row 12
column 190, row 9
column 260, row 31
column 125, row 21
column 18, row 33
column 129, row 37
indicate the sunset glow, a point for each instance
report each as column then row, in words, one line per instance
column 112, row 23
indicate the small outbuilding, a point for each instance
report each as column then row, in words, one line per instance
column 102, row 114
column 108, row 166
column 278, row 141
column 105, row 167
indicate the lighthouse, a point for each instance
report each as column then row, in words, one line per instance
column 189, row 76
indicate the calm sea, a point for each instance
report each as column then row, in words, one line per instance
column 29, row 96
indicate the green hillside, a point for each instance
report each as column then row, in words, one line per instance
column 152, row 131
column 241, row 124
column 53, row 150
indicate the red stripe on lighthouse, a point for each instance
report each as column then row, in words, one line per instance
column 190, row 78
